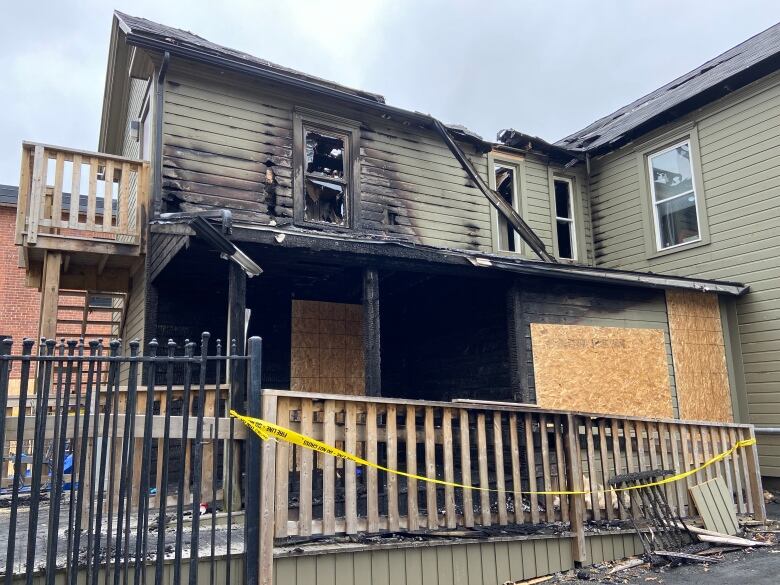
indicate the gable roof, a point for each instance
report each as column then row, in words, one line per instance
column 740, row 65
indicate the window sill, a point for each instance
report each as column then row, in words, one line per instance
column 680, row 248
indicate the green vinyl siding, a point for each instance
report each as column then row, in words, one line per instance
column 738, row 139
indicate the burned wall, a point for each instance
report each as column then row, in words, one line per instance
column 229, row 143
column 445, row 337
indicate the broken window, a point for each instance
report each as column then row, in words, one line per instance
column 564, row 219
column 325, row 185
column 673, row 196
column 506, row 187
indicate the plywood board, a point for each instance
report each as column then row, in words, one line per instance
column 699, row 353
column 610, row 370
column 715, row 506
column 327, row 348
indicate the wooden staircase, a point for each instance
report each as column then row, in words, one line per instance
column 90, row 314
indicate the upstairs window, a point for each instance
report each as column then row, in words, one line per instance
column 673, row 193
column 506, row 187
column 325, row 183
column 564, row 218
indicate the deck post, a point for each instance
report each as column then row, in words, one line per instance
column 516, row 335
column 756, row 489
column 576, row 503
column 50, row 291
column 252, row 494
column 371, row 343
column 236, row 333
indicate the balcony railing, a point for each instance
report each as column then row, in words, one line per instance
column 76, row 200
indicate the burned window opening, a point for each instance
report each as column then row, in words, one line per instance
column 506, row 187
column 325, row 177
column 564, row 219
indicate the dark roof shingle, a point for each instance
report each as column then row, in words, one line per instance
column 610, row 129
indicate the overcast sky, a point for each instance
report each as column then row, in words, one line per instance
column 546, row 68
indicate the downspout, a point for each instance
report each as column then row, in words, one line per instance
column 514, row 219
column 158, row 133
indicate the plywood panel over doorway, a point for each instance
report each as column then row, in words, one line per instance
column 611, row 370
column 699, row 356
column 327, row 348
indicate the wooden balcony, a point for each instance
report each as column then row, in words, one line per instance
column 88, row 206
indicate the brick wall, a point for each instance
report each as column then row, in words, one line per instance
column 20, row 306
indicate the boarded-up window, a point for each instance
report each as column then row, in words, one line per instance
column 609, row 370
column 327, row 348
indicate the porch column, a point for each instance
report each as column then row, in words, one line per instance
column 371, row 343
column 50, row 292
column 237, row 328
column 517, row 349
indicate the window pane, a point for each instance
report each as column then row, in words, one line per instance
column 565, row 245
column 672, row 172
column 505, row 187
column 324, row 202
column 677, row 221
column 562, row 199
column 324, row 154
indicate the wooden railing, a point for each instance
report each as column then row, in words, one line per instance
column 75, row 194
column 505, row 448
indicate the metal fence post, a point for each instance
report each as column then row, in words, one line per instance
column 253, row 462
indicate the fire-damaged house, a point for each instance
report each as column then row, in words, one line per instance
column 403, row 274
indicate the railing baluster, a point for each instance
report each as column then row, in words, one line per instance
column 283, row 471
column 431, row 506
column 605, row 472
column 592, row 470
column 92, row 194
column 350, row 480
column 449, row 468
column 393, row 514
column 679, row 487
column 465, row 468
column 75, row 193
column 56, row 202
column 122, row 201
column 517, row 486
column 706, row 443
column 306, row 464
column 25, row 187
column 108, row 195
column 544, row 446
column 724, row 444
column 484, row 480
column 498, row 456
column 530, row 459
column 36, row 193
column 372, row 484
column 411, row 467
column 560, row 484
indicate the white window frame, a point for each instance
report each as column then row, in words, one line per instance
column 570, row 220
column 654, row 203
column 497, row 162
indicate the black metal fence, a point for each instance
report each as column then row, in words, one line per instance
column 122, row 466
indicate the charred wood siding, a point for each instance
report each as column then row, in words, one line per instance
column 222, row 134
column 599, row 306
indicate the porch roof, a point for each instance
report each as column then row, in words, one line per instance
column 392, row 248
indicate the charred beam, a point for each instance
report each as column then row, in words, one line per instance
column 371, row 344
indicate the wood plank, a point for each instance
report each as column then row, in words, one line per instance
column 517, row 487
column 663, row 435
column 393, row 514
column 715, row 506
column 430, row 470
column 498, row 454
column 549, row 509
column 730, row 510
column 736, row 463
column 679, row 487
column 92, row 194
column 687, row 459
column 530, row 459
column 706, row 441
column 350, row 483
column 329, row 469
column 592, row 471
column 484, row 496
column 23, row 199
column 449, row 468
column 574, row 473
column 75, row 193
column 123, row 202
column 724, row 445
column 36, row 193
column 306, row 457
column 640, row 447
column 605, row 471
column 56, row 199
column 755, row 496
column 696, row 449
column 617, row 459
column 411, row 467
column 108, row 195
column 465, row 466
column 560, row 477
column 281, row 488
column 267, row 493
column 372, row 483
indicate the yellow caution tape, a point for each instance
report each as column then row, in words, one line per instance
column 266, row 431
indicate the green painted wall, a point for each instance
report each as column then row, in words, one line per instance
column 739, row 154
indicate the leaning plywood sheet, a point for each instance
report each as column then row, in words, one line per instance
column 716, row 506
column 610, row 370
column 699, row 356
